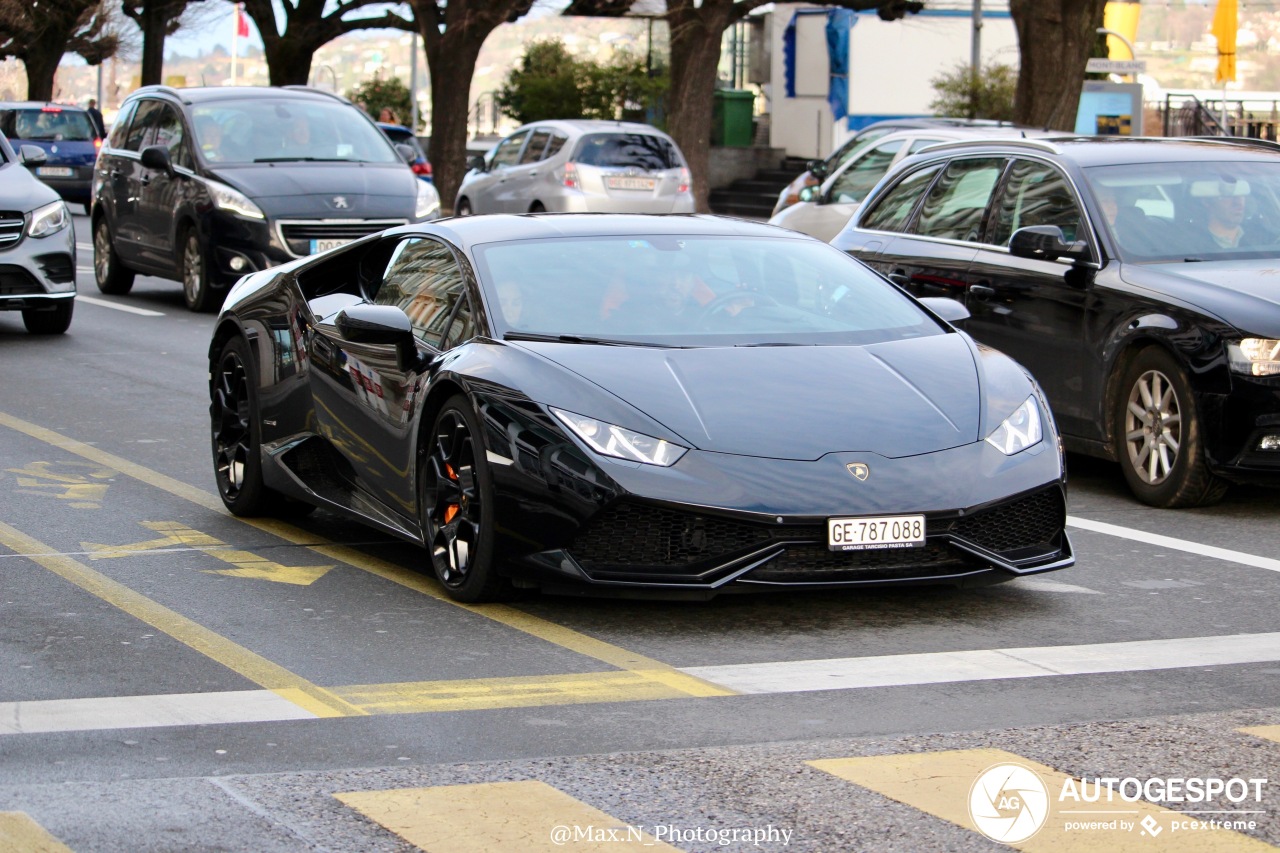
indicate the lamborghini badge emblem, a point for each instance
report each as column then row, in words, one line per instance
column 859, row 470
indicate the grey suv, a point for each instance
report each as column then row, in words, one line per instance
column 578, row 167
column 37, row 246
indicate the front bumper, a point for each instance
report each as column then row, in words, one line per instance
column 35, row 272
column 1238, row 423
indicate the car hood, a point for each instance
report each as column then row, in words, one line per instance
column 22, row 191
column 1245, row 292
column 900, row 398
column 367, row 189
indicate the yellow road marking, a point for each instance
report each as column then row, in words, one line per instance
column 939, row 783
column 559, row 635
column 498, row 816
column 1268, row 732
column 247, row 565
column 21, row 834
column 43, row 478
column 254, row 667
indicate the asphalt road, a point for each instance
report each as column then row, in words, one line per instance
column 173, row 678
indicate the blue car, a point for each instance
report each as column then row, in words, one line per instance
column 68, row 138
column 400, row 135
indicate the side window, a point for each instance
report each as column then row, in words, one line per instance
column 168, row 132
column 145, row 115
column 554, row 145
column 1035, row 194
column 120, row 129
column 463, row 327
column 537, row 143
column 895, row 206
column 855, row 182
column 424, row 281
column 954, row 207
column 508, row 151
column 922, row 143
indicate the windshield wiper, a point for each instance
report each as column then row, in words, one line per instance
column 580, row 339
column 303, row 160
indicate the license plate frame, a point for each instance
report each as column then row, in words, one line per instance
column 55, row 172
column 876, row 532
column 318, row 246
column 630, row 182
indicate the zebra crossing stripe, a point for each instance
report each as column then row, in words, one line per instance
column 20, row 833
column 1268, row 732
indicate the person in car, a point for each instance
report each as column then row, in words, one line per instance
column 1226, row 220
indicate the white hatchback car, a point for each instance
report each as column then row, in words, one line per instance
column 578, row 167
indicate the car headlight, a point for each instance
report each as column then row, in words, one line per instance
column 609, row 440
column 1020, row 430
column 428, row 201
column 1255, row 357
column 233, row 200
column 48, row 219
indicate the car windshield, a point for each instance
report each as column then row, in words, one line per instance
column 627, row 150
column 282, row 130
column 50, row 124
column 1194, row 210
column 692, row 291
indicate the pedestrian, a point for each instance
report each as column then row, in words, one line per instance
column 96, row 117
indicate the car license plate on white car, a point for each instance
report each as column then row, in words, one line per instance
column 54, row 171
column 875, row 531
column 318, row 246
column 619, row 183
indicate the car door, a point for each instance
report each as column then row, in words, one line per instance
column 367, row 404
column 159, row 192
column 1034, row 310
column 522, row 177
column 496, row 194
column 126, row 177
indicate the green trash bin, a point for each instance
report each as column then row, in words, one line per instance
column 731, row 118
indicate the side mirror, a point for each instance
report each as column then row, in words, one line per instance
column 406, row 152
column 1046, row 243
column 157, row 157
column 379, row 325
column 476, row 162
column 946, row 308
column 817, row 168
column 32, row 155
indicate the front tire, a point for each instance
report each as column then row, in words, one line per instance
column 464, row 207
column 455, row 491
column 46, row 322
column 109, row 272
column 1158, row 436
column 196, row 288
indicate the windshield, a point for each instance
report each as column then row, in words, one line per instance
column 693, row 291
column 51, row 124
column 273, row 131
column 627, row 150
column 1190, row 211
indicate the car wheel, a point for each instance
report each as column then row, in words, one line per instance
column 455, row 497
column 464, row 207
column 109, row 273
column 1158, row 435
column 47, row 322
column 196, row 289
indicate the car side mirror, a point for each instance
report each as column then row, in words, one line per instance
column 1046, row 243
column 817, row 168
column 157, row 157
column 477, row 163
column 32, row 155
column 406, row 152
column 379, row 325
column 948, row 309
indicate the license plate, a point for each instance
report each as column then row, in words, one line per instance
column 318, row 246
column 875, row 531
column 54, row 172
column 630, row 183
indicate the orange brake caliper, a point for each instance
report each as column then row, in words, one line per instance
column 452, row 509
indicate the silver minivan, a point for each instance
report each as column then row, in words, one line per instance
column 578, row 167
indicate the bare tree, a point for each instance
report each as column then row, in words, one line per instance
column 158, row 19
column 1054, row 41
column 41, row 32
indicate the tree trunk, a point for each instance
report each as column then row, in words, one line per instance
column 455, row 62
column 154, row 23
column 41, row 62
column 289, row 61
column 695, row 55
column 1054, row 41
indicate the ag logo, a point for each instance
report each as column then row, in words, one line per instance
column 859, row 470
column 1009, row 803
column 340, row 202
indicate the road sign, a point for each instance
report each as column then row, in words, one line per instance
column 1097, row 65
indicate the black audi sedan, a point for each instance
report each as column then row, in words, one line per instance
column 667, row 405
column 204, row 185
column 1138, row 280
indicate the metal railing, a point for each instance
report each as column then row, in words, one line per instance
column 1184, row 114
column 485, row 113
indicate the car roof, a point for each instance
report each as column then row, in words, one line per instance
column 593, row 126
column 203, row 94
column 39, row 105
column 937, row 121
column 1086, row 151
column 468, row 231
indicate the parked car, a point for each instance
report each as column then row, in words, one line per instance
column 578, row 167
column 1134, row 278
column 205, row 185
column 37, row 245
column 68, row 138
column 400, row 135
column 818, row 170
column 823, row 210
column 610, row 402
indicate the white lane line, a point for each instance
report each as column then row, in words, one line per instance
column 988, row 664
column 1176, row 544
column 126, row 308
column 138, row 712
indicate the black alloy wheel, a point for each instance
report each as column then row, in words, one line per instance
column 196, row 288
column 456, row 504
column 1158, row 438
column 108, row 272
column 464, row 207
column 49, row 322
